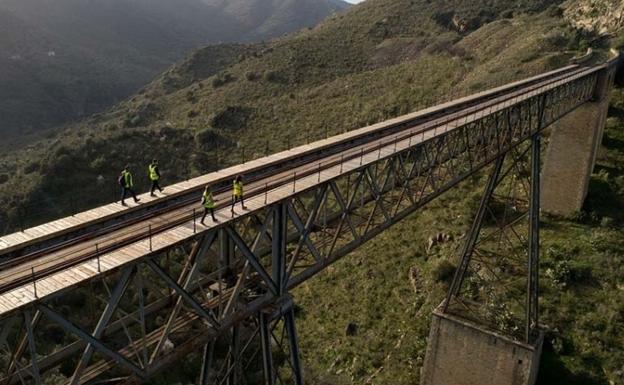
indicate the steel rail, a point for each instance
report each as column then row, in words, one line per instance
column 440, row 110
column 303, row 171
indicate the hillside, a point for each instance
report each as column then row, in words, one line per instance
column 600, row 16
column 66, row 59
column 383, row 58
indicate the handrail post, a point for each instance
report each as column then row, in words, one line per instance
column 97, row 255
column 379, row 150
column 150, row 236
column 294, row 181
column 361, row 156
column 341, row 161
column 319, row 173
column 32, row 270
column 20, row 218
column 266, row 192
column 194, row 222
column 396, row 141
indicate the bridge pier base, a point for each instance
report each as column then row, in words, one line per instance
column 461, row 352
column 571, row 155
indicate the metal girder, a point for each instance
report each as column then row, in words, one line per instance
column 253, row 260
column 183, row 293
column 31, row 346
column 207, row 359
column 267, row 354
column 95, row 342
column 322, row 224
column 105, row 318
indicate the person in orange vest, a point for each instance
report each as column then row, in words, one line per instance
column 127, row 186
column 209, row 205
column 237, row 193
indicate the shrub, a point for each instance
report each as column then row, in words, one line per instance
column 251, row 76
column 32, row 167
column 209, row 138
column 555, row 11
column 3, row 178
column 222, row 79
column 190, row 97
column 99, row 163
column 507, row 14
column 132, row 121
column 443, row 271
column 231, row 118
column 271, row 77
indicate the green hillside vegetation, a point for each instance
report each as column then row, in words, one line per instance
column 381, row 59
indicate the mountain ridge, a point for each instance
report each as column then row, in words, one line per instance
column 82, row 56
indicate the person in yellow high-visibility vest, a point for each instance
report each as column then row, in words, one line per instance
column 237, row 193
column 154, row 175
column 127, row 185
column 209, row 204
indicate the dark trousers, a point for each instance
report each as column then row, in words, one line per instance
column 124, row 192
column 206, row 211
column 155, row 186
column 236, row 199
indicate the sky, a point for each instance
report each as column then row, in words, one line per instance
column 354, row 1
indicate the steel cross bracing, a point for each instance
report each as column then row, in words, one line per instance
column 222, row 299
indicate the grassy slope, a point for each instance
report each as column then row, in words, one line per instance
column 582, row 293
column 379, row 60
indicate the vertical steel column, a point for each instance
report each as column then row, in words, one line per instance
column 279, row 247
column 105, row 318
column 289, row 320
column 31, row 346
column 534, row 225
column 225, row 249
column 234, row 359
column 474, row 233
column 208, row 356
column 267, row 351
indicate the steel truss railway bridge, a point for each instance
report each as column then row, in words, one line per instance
column 122, row 294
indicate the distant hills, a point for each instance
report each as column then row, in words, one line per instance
column 64, row 59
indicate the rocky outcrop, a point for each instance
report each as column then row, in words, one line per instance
column 598, row 16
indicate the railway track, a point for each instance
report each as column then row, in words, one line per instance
column 305, row 161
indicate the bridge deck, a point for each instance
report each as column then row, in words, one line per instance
column 64, row 226
column 280, row 187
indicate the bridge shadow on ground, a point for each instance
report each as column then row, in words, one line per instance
column 605, row 198
column 553, row 371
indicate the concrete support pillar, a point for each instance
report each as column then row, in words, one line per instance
column 572, row 150
column 460, row 352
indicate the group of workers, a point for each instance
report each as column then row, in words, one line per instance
column 207, row 200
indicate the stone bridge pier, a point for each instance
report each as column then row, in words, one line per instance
column 572, row 150
column 468, row 344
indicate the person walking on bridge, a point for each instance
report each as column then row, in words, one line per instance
column 209, row 205
column 154, row 175
column 125, row 181
column 237, row 194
